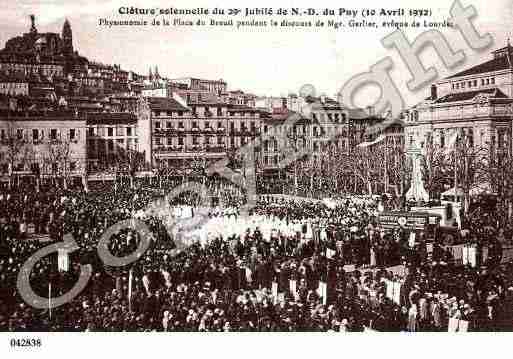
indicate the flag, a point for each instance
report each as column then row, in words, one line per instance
column 130, row 283
column 463, row 326
column 367, row 144
column 323, row 292
column 62, row 260
column 453, row 325
column 274, row 291
column 411, row 241
column 330, row 253
column 293, row 286
column 50, row 299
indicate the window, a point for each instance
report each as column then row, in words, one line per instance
column 180, row 113
column 194, row 124
column 180, row 141
column 219, row 111
column 470, row 84
column 157, row 141
column 2, row 134
column 157, row 125
column 110, row 132
column 19, row 134
column 169, row 141
column 111, row 145
column 487, row 81
column 442, row 139
column 73, row 166
column 91, row 131
column 53, row 134
column 475, row 83
column 180, row 124
column 457, row 86
column 168, row 124
column 35, row 134
column 492, row 80
column 72, row 134
column 195, row 140
column 129, row 131
column 482, row 82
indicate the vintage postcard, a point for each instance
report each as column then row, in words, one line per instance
column 272, row 166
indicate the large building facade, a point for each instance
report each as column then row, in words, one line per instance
column 475, row 104
column 43, row 144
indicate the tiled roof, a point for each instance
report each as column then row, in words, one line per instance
column 165, row 104
column 111, row 118
column 465, row 96
column 496, row 64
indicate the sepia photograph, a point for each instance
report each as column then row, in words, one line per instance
column 279, row 167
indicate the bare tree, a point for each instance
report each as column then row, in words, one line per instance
column 59, row 157
column 18, row 152
column 469, row 168
column 435, row 168
column 500, row 176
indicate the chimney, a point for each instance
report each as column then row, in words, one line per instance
column 434, row 95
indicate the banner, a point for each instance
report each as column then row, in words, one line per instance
column 62, row 260
column 470, row 256
column 330, row 253
column 457, row 325
column 323, row 292
column 130, row 285
column 274, row 291
column 411, row 241
column 293, row 286
column 393, row 291
column 453, row 325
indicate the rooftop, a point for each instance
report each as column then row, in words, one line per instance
column 466, row 96
column 501, row 61
column 165, row 104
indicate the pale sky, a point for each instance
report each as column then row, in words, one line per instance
column 257, row 60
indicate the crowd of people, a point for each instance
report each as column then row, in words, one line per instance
column 286, row 265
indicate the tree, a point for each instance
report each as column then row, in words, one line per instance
column 500, row 176
column 59, row 157
column 435, row 168
column 470, row 165
column 399, row 172
column 18, row 152
column 129, row 162
column 367, row 165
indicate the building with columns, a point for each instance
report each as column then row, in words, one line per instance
column 477, row 103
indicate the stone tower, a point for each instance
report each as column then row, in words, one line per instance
column 33, row 29
column 67, row 38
